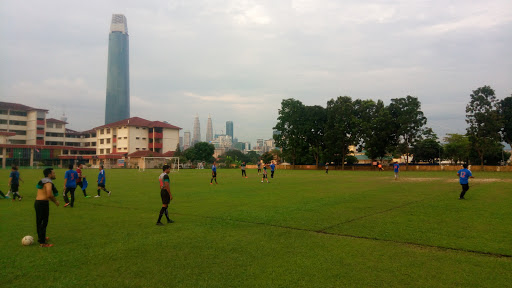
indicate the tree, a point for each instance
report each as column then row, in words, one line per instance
column 427, row 148
column 277, row 155
column 290, row 125
column 506, row 117
column 252, row 157
column 408, row 120
column 340, row 132
column 201, row 151
column 482, row 115
column 314, row 121
column 494, row 154
column 457, row 148
column 375, row 128
column 267, row 157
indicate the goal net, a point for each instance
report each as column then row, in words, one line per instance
column 159, row 162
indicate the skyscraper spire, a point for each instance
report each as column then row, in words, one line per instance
column 209, row 129
column 197, row 131
column 118, row 73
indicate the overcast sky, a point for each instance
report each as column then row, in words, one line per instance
column 236, row 60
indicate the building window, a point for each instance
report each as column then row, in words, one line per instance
column 2, row 121
column 20, row 123
column 108, row 140
column 125, row 137
column 119, row 137
column 102, row 131
column 143, row 138
column 137, row 138
column 3, row 112
column 108, row 151
column 108, row 130
column 49, row 125
column 102, row 151
column 137, row 149
column 58, row 125
column 18, row 113
column 102, row 141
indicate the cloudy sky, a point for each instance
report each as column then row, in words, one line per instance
column 236, row 60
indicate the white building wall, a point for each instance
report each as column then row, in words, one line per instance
column 171, row 138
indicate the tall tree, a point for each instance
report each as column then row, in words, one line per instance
column 375, row 128
column 341, row 127
column 408, row 122
column 427, row 149
column 314, row 121
column 201, row 151
column 290, row 125
column 506, row 117
column 482, row 115
column 457, row 148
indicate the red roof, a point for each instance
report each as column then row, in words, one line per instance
column 169, row 154
column 73, row 148
column 18, row 107
column 140, row 122
column 145, row 153
column 53, row 120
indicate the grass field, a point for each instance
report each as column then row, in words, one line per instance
column 304, row 229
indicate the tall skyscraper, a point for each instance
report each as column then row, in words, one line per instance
column 186, row 140
column 229, row 128
column 209, row 130
column 118, row 73
column 196, row 137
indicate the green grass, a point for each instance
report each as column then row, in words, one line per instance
column 304, row 229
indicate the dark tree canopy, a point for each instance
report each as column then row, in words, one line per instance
column 341, row 128
column 506, row 116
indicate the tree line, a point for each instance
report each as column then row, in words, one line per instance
column 313, row 134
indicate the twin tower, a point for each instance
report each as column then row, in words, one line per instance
column 118, row 73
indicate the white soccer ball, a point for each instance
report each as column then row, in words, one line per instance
column 27, row 240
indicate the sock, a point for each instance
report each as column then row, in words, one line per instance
column 167, row 213
column 161, row 214
column 85, row 193
column 98, row 192
column 2, row 193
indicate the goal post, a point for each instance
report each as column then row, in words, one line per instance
column 159, row 162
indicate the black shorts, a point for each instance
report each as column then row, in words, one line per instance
column 14, row 187
column 214, row 174
column 101, row 185
column 264, row 175
column 81, row 184
column 166, row 198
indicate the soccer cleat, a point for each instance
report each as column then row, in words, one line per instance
column 97, row 196
column 261, row 181
column 109, row 193
column 462, row 198
column 159, row 223
column 87, row 196
column 170, row 221
column 47, row 238
column 66, row 205
column 45, row 245
column 20, row 198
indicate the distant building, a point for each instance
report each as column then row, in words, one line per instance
column 209, row 130
column 186, row 140
column 117, row 105
column 196, row 137
column 229, row 129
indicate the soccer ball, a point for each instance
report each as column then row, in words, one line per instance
column 27, row 240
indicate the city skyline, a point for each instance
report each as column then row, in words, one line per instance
column 117, row 100
column 239, row 60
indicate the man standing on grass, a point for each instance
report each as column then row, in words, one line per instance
column 272, row 169
column 259, row 167
column 242, row 167
column 214, row 173
column 327, row 168
column 79, row 180
column 70, row 178
column 396, row 167
column 14, row 182
column 464, row 175
column 101, row 182
column 45, row 191
column 165, row 194
column 264, row 174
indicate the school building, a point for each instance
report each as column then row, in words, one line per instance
column 28, row 138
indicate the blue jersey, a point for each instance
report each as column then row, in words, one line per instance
column 71, row 177
column 101, row 177
column 214, row 168
column 397, row 167
column 15, row 175
column 272, row 167
column 464, row 175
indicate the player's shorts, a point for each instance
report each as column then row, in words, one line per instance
column 166, row 198
column 264, row 175
column 101, row 185
column 14, row 187
column 81, row 184
column 214, row 174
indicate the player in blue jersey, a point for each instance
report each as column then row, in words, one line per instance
column 101, row 182
column 272, row 169
column 396, row 168
column 70, row 185
column 214, row 173
column 464, row 175
column 165, row 194
column 14, row 182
